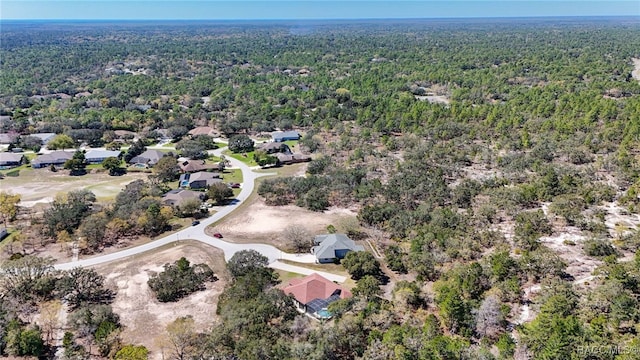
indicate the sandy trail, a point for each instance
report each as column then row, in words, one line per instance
column 636, row 71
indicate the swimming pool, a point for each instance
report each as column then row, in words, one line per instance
column 323, row 314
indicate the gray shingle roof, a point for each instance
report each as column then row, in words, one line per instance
column 328, row 244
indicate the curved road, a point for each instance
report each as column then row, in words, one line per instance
column 198, row 233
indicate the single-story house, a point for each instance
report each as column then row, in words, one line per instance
column 149, row 157
column 285, row 159
column 313, row 294
column 10, row 160
column 330, row 247
column 189, row 166
column 44, row 137
column 56, row 158
column 199, row 180
column 8, row 138
column 274, row 147
column 98, row 156
column 203, row 130
column 280, row 136
column 177, row 196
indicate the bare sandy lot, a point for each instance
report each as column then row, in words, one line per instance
column 258, row 222
column 144, row 317
column 42, row 185
column 636, row 71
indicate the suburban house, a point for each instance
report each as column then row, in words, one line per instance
column 274, row 147
column 189, row 166
column 44, row 137
column 199, row 180
column 98, row 156
column 330, row 247
column 56, row 158
column 280, row 136
column 8, row 138
column 203, row 130
column 285, row 159
column 149, row 157
column 313, row 294
column 177, row 196
column 10, row 160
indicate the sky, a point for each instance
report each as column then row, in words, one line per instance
column 307, row 9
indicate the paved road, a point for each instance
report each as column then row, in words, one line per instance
column 198, row 233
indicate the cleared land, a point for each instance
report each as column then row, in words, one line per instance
column 258, row 222
column 144, row 317
column 42, row 185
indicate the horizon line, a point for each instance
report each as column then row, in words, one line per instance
column 324, row 19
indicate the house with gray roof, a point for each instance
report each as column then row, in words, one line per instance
column 8, row 138
column 328, row 248
column 177, row 196
column 280, row 136
column 149, row 157
column 199, row 180
column 44, row 137
column 10, row 160
column 56, row 158
column 98, row 156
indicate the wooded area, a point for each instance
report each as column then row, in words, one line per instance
column 462, row 145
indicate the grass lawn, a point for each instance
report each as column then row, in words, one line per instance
column 247, row 160
column 232, row 176
column 286, row 276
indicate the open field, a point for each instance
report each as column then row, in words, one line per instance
column 42, row 185
column 257, row 222
column 143, row 315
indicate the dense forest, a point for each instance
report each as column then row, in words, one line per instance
column 466, row 148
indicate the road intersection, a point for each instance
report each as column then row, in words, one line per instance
column 198, row 233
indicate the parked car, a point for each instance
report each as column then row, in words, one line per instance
column 217, row 235
column 235, row 185
column 196, row 222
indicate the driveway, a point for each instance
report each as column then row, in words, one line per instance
column 198, row 233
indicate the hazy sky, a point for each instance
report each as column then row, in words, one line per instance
column 309, row 9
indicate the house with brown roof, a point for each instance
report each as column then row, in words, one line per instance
column 190, row 166
column 177, row 196
column 274, row 147
column 203, row 130
column 313, row 294
column 286, row 159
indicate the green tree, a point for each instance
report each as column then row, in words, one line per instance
column 8, row 206
column 219, row 192
column 245, row 261
column 80, row 286
column 61, row 141
column 166, row 169
column 360, row 264
column 113, row 165
column 77, row 164
column 263, row 159
column 180, row 279
column 132, row 352
column 241, row 143
column 367, row 287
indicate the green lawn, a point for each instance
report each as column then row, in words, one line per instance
column 247, row 160
column 232, row 176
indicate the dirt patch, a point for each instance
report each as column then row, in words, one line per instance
column 636, row 71
column 260, row 223
column 143, row 315
column 41, row 185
